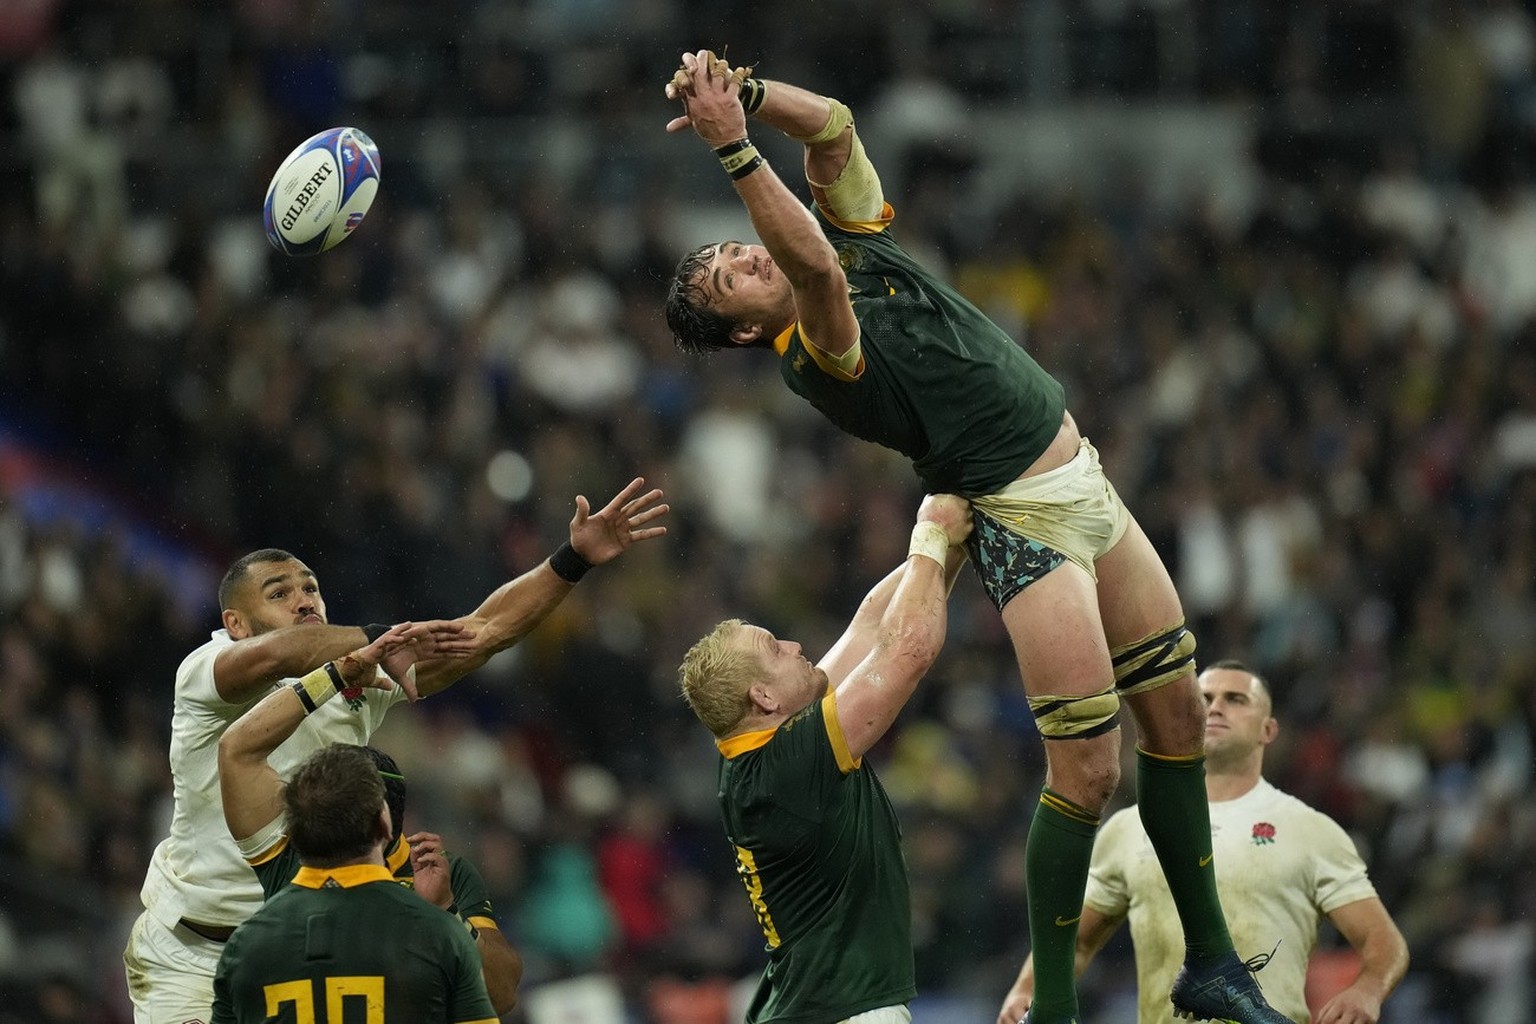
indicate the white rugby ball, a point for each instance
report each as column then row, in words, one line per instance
column 321, row 192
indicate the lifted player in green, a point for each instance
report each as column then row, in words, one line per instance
column 890, row 353
column 817, row 843
column 344, row 935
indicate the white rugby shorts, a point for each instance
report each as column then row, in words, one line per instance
column 170, row 973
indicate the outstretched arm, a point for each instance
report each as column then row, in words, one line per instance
column 513, row 609
column 249, row 667
column 840, row 174
column 859, row 638
column 911, row 629
column 1384, row 960
column 783, row 223
column 251, row 790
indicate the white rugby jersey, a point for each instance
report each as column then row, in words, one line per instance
column 1280, row 866
column 197, row 872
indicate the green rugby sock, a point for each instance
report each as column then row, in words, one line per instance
column 1056, row 870
column 1170, row 794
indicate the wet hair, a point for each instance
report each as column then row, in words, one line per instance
column 237, row 572
column 696, row 328
column 394, row 788
column 332, row 803
column 716, row 675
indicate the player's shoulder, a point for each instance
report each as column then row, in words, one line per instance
column 199, row 661
column 1280, row 801
column 1287, row 808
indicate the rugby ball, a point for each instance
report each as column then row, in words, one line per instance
column 321, row 192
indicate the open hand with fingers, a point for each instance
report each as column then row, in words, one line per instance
column 398, row 651
column 430, row 868
column 602, row 536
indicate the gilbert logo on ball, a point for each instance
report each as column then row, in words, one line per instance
column 321, row 192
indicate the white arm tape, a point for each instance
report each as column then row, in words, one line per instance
column 263, row 839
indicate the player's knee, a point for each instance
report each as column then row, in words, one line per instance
column 1154, row 661
column 1076, row 717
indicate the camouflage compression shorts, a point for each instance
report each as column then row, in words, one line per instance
column 1030, row 527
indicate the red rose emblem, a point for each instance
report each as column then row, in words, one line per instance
column 1263, row 833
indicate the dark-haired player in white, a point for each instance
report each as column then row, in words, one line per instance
column 198, row 887
column 339, row 937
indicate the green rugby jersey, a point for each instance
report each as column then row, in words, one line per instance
column 350, row 944
column 941, row 383
column 818, row 848
column 276, row 867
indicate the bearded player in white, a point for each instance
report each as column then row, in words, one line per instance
column 198, row 887
column 1281, row 867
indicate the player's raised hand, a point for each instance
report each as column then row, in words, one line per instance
column 398, row 651
column 602, row 536
column 710, row 90
column 430, row 869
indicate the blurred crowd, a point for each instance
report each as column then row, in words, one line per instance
column 1320, row 405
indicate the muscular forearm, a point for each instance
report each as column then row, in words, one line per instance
column 251, row 666
column 250, row 789
column 1384, row 961
column 789, row 232
column 912, row 629
column 502, row 967
column 262, row 729
column 1371, row 931
column 511, row 612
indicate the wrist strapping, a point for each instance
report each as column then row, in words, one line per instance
column 317, row 687
column 739, row 158
column 568, row 563
column 753, row 92
column 930, row 541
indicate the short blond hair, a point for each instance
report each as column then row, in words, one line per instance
column 716, row 675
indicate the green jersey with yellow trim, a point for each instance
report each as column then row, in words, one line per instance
column 941, row 383
column 345, row 944
column 818, row 848
column 277, row 867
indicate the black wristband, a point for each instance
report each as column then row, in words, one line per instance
column 335, row 674
column 567, row 564
column 739, row 158
column 752, row 94
column 299, row 688
column 374, row 630
column 732, row 148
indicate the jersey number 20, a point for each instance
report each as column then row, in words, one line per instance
column 369, row 988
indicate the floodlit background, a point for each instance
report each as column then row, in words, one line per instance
column 1281, row 252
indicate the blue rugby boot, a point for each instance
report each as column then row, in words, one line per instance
column 1224, row 990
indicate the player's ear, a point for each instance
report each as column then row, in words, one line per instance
column 235, row 622
column 746, row 334
column 1271, row 729
column 383, row 827
column 761, row 699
